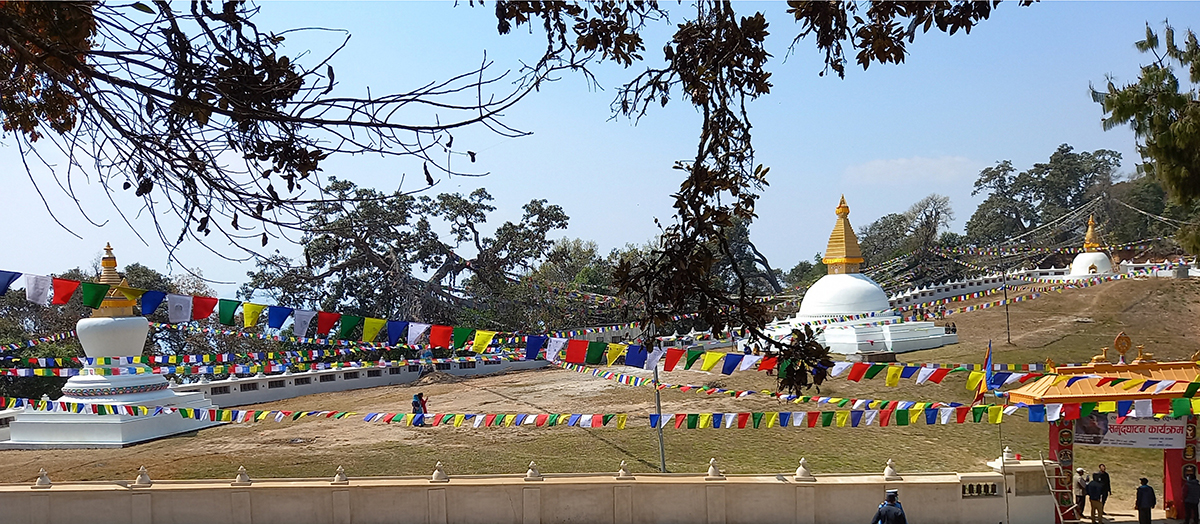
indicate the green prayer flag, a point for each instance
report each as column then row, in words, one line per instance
column 783, row 368
column 842, row 403
column 874, row 370
column 93, row 294
column 552, row 420
column 827, row 419
column 225, row 310
column 1116, row 381
column 1191, row 389
column 693, row 419
column 901, row 417
column 348, row 323
column 608, row 417
column 977, row 412
column 297, row 415
column 459, row 337
column 757, row 417
column 595, row 352
column 1181, row 407
column 1086, row 409
column 692, row 357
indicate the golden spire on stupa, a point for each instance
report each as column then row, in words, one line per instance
column 116, row 303
column 1089, row 240
column 842, row 255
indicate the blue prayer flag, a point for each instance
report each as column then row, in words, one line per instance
column 151, row 300
column 276, row 315
column 395, row 328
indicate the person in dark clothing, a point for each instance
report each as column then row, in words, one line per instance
column 890, row 511
column 1191, row 499
column 1145, row 501
column 1105, row 483
column 418, row 407
column 1095, row 493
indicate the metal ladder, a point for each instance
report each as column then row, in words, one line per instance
column 1054, row 474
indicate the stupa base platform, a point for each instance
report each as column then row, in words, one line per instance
column 47, row 430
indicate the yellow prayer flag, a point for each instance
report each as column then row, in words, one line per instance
column 705, row 420
column 1132, row 384
column 508, row 419
column 482, row 340
column 458, row 419
column 250, row 313
column 710, row 359
column 1107, row 406
column 621, row 421
column 842, row 418
column 920, row 406
column 262, row 415
column 772, row 418
column 893, row 376
column 131, row 293
column 974, row 379
column 371, row 327
column 1196, row 405
column 615, row 351
column 995, row 414
column 914, row 415
column 1059, row 380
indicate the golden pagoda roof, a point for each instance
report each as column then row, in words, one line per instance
column 843, row 243
column 1089, row 240
column 116, row 303
column 1051, row 389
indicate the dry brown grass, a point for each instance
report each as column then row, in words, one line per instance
column 1157, row 313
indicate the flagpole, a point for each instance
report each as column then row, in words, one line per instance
column 1007, row 326
column 662, row 450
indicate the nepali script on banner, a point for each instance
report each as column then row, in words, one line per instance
column 1102, row 429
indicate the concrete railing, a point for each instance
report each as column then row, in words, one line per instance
column 531, row 499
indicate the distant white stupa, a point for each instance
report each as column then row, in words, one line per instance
column 1091, row 262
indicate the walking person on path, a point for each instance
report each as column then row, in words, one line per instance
column 1105, row 484
column 1191, row 499
column 419, row 407
column 1145, row 501
column 1095, row 492
column 890, row 512
column 1079, row 487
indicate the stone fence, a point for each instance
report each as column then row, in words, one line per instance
column 534, row 498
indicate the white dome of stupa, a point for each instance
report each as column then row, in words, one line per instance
column 845, row 294
column 1092, row 261
column 844, row 291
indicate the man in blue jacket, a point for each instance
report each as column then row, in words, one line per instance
column 1145, row 501
column 890, row 512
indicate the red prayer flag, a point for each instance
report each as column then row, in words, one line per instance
column 437, row 418
column 884, row 416
column 673, row 356
column 598, row 420
column 439, row 336
column 1032, row 375
column 939, row 374
column 741, row 420
column 961, row 412
column 679, row 419
column 1104, row 381
column 487, row 421
column 577, row 351
column 1071, row 411
column 857, row 371
column 202, row 307
column 326, row 320
column 1161, row 405
column 767, row 364
column 541, row 420
column 63, row 289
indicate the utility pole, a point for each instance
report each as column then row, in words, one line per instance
column 1007, row 325
column 662, row 450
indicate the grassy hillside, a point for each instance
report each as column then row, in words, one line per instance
column 1067, row 327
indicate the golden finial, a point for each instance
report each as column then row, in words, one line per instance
column 1089, row 240
column 842, row 210
column 1050, row 367
column 842, row 254
column 115, row 303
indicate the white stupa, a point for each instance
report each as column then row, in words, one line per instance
column 114, row 330
column 1091, row 262
column 846, row 292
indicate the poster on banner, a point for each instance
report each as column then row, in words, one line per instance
column 1103, row 429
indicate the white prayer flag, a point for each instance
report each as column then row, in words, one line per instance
column 839, row 368
column 749, row 361
column 1143, row 408
column 37, row 289
column 1053, row 412
column 798, row 418
column 554, row 347
column 945, row 414
column 415, row 330
column 179, row 308
column 652, row 360
column 300, row 321
column 924, row 373
column 870, row 416
column 1163, row 385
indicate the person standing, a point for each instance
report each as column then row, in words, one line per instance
column 1105, row 483
column 1145, row 501
column 1079, row 487
column 1095, row 493
column 1191, row 499
column 418, row 408
column 890, row 512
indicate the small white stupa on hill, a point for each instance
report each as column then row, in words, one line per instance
column 1091, row 262
column 114, row 330
column 846, row 292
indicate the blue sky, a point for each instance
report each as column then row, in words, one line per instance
column 1015, row 88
